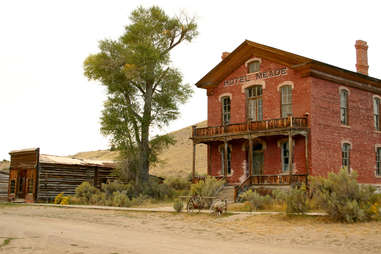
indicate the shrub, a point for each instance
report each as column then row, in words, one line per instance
column 120, row 199
column 178, row 205
column 255, row 200
column 59, row 198
column 297, row 200
column 64, row 201
column 112, row 187
column 344, row 199
column 85, row 191
column 98, row 199
column 207, row 188
column 157, row 190
column 177, row 183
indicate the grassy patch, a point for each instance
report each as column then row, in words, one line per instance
column 8, row 204
column 6, row 241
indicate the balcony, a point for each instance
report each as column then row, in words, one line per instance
column 271, row 126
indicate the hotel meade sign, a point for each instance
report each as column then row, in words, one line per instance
column 256, row 76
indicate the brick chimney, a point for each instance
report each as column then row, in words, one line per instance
column 362, row 57
column 224, row 55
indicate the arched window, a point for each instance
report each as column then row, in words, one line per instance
column 344, row 107
column 378, row 161
column 286, row 100
column 254, row 103
column 226, row 110
column 345, row 154
column 253, row 66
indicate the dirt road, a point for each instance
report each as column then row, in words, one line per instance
column 25, row 229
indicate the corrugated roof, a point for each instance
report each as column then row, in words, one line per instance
column 54, row 159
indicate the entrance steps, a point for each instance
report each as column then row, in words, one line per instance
column 227, row 193
column 18, row 200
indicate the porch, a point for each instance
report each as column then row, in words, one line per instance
column 290, row 130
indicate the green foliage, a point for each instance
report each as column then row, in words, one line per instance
column 143, row 89
column 207, row 188
column 177, row 183
column 120, row 199
column 116, row 186
column 255, row 200
column 344, row 199
column 297, row 200
column 85, row 191
column 156, row 190
column 178, row 205
column 279, row 196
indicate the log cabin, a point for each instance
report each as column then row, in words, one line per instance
column 35, row 177
column 4, row 178
column 275, row 118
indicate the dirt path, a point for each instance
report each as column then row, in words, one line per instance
column 59, row 230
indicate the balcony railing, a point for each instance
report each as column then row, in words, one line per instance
column 250, row 126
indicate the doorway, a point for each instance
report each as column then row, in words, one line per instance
column 257, row 159
column 21, row 184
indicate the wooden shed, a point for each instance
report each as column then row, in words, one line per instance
column 4, row 178
column 40, row 177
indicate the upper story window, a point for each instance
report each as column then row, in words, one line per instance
column 376, row 112
column 344, row 107
column 254, row 103
column 286, row 100
column 253, row 66
column 378, row 161
column 226, row 110
column 345, row 156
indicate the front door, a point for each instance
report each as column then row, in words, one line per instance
column 21, row 184
column 257, row 159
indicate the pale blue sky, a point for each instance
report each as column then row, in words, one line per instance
column 46, row 102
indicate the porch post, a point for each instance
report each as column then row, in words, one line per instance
column 306, row 156
column 225, row 158
column 209, row 159
column 290, row 153
column 194, row 161
column 250, row 156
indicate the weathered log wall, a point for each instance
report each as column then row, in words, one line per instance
column 54, row 179
column 4, row 176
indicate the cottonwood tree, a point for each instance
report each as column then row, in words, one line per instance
column 143, row 89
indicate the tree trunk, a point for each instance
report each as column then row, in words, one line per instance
column 143, row 174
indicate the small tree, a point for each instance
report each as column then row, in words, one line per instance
column 143, row 89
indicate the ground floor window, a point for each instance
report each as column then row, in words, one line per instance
column 13, row 186
column 285, row 156
column 346, row 156
column 378, row 161
column 223, row 160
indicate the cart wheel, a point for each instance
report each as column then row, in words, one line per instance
column 190, row 206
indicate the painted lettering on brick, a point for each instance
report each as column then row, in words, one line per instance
column 258, row 75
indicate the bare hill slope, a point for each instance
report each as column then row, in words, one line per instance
column 176, row 160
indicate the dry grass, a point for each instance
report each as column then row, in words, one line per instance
column 4, row 165
column 175, row 161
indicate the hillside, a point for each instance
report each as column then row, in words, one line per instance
column 176, row 160
column 4, row 165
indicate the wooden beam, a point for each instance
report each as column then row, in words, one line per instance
column 306, row 156
column 250, row 156
column 194, row 161
column 225, row 158
column 209, row 159
column 290, row 152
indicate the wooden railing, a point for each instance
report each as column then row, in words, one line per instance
column 270, row 180
column 280, row 123
column 197, row 179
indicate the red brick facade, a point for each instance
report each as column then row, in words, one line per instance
column 317, row 98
